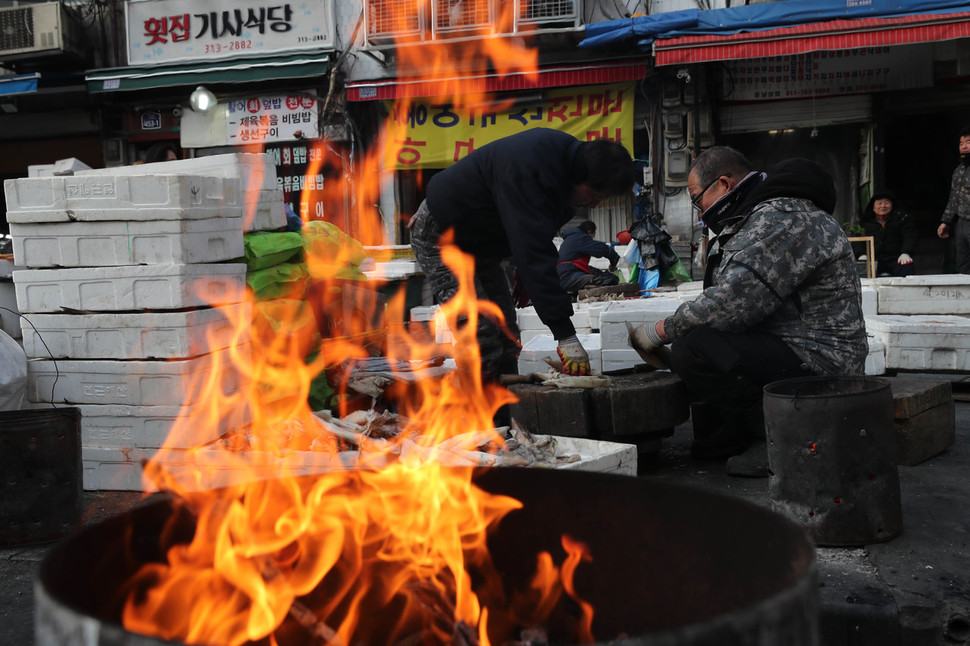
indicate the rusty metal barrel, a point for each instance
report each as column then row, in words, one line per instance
column 832, row 458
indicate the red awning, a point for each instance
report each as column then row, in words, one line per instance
column 593, row 74
column 812, row 37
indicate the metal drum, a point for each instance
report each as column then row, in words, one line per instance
column 40, row 489
column 672, row 566
column 832, row 458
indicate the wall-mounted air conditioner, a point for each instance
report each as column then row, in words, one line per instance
column 544, row 12
column 36, row 30
column 394, row 21
column 462, row 15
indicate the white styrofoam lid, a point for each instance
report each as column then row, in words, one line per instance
column 919, row 323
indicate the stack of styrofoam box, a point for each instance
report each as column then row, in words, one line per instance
column 614, row 336
column 258, row 195
column 922, row 322
column 121, row 267
column 534, row 352
column 431, row 317
column 531, row 326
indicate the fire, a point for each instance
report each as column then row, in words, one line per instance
column 289, row 535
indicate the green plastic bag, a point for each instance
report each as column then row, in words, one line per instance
column 676, row 272
column 288, row 279
column 269, row 249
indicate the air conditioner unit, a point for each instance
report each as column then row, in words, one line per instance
column 547, row 12
column 462, row 15
column 35, row 30
column 394, row 21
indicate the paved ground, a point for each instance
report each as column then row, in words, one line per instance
column 912, row 590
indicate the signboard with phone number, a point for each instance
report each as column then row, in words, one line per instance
column 169, row 30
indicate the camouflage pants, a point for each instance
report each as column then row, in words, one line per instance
column 499, row 352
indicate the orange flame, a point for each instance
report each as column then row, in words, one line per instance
column 301, row 523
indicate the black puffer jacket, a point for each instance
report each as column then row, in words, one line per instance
column 510, row 198
column 898, row 235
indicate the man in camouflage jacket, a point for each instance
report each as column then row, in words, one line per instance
column 956, row 215
column 781, row 299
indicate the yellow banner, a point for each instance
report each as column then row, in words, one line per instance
column 430, row 134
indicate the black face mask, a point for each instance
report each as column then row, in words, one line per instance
column 965, row 159
column 726, row 206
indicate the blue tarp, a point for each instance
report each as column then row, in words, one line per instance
column 18, row 84
column 768, row 15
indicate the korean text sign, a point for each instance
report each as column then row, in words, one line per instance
column 436, row 134
column 169, row 30
column 260, row 119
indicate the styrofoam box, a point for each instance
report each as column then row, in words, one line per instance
column 113, row 469
column 121, row 469
column 436, row 321
column 923, row 341
column 116, row 243
column 118, row 289
column 870, row 300
column 255, row 171
column 527, row 335
column 267, row 213
column 615, row 359
column 393, row 270
column 527, row 319
column 148, row 427
column 613, row 332
column 693, row 286
column 135, row 383
column 876, row 359
column 937, row 294
column 142, row 335
column 103, row 198
column 531, row 358
column 593, row 311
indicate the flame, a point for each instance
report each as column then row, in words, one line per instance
column 290, row 529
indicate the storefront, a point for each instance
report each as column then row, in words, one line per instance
column 427, row 133
column 266, row 65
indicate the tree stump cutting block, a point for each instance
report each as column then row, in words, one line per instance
column 633, row 407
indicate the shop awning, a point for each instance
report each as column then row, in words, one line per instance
column 19, row 84
column 239, row 70
column 820, row 36
column 791, row 26
column 584, row 74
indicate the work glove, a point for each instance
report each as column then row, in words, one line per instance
column 863, row 257
column 648, row 344
column 575, row 361
column 904, row 259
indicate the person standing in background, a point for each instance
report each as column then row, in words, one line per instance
column 956, row 215
column 894, row 235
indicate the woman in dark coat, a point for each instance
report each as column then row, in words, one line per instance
column 894, row 235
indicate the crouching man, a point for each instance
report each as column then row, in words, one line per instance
column 781, row 299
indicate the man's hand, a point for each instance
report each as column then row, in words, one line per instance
column 904, row 259
column 575, row 361
column 943, row 231
column 647, row 342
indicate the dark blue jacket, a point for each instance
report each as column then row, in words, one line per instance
column 510, row 198
column 578, row 247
